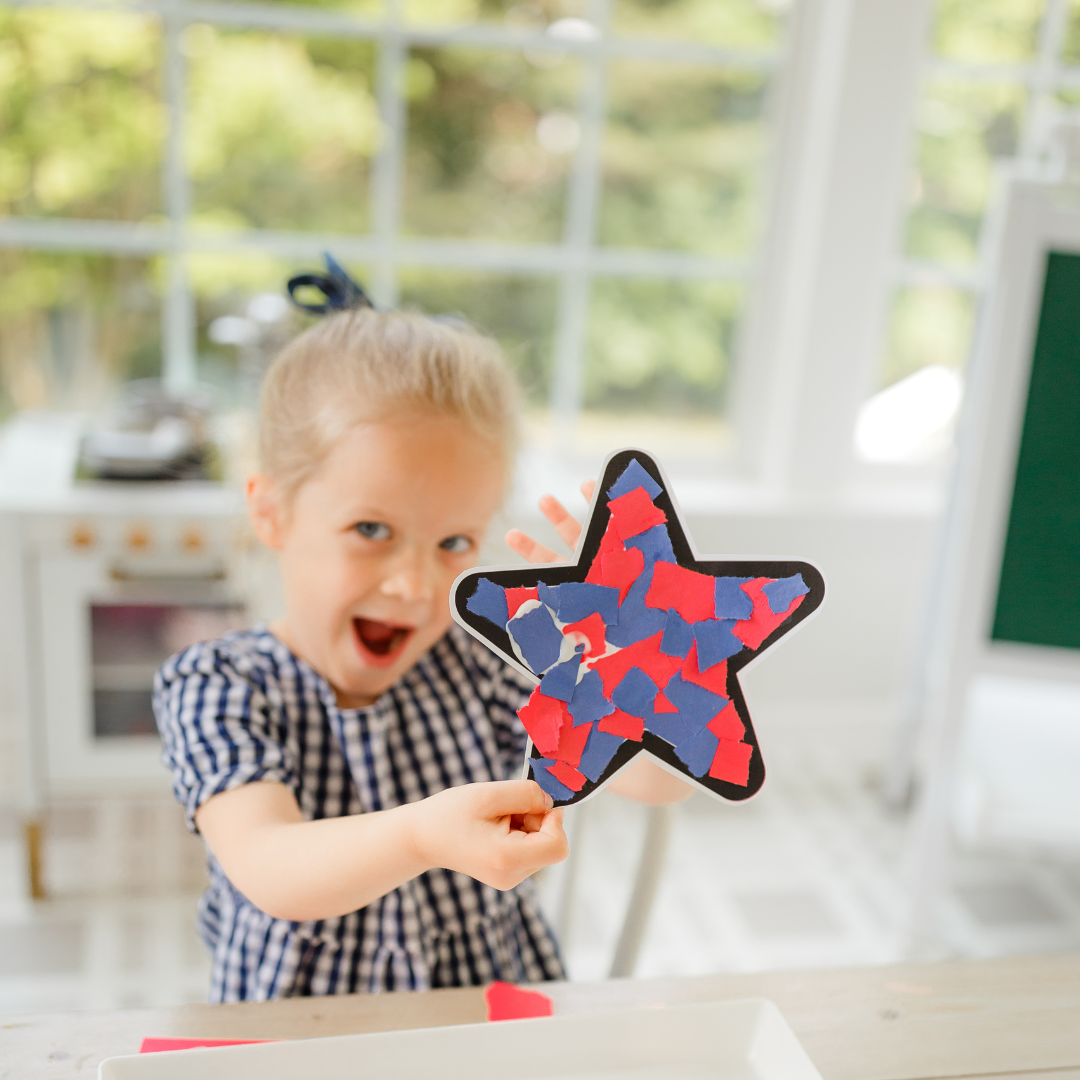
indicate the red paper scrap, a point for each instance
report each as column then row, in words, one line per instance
column 661, row 704
column 609, row 542
column 620, row 569
column 508, row 1002
column 731, row 762
column 157, row 1046
column 593, row 628
column 624, row 725
column 634, row 512
column 644, row 654
column 753, row 631
column 727, row 724
column 572, row 742
column 516, row 597
column 543, row 718
column 691, row 594
column 567, row 774
column 715, row 679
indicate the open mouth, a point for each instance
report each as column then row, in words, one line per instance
column 380, row 642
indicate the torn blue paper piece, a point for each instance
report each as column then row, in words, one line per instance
column 672, row 726
column 548, row 594
column 598, row 752
column 489, row 601
column 634, row 476
column 636, row 693
column 636, row 621
column 731, row 601
column 578, row 600
column 588, row 702
column 678, row 635
column 715, row 641
column 561, row 680
column 781, row 593
column 538, row 638
column 654, row 544
column 698, row 751
column 695, row 704
column 555, row 788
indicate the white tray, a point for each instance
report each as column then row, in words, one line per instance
column 721, row 1040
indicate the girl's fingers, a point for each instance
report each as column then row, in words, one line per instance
column 568, row 527
column 529, row 549
column 587, row 489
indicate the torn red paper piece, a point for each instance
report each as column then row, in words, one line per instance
column 691, row 594
column 572, row 742
column 620, row 569
column 727, row 724
column 624, row 725
column 592, row 628
column 516, row 597
column 609, row 542
column 753, row 631
column 661, row 704
column 508, row 1002
column 644, row 654
column 543, row 718
column 732, row 762
column 715, row 679
column 634, row 512
column 567, row 774
column 157, row 1046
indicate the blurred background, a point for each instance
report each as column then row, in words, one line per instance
column 751, row 236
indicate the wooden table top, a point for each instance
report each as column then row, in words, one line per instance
column 1005, row 1018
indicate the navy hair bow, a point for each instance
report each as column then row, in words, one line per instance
column 339, row 289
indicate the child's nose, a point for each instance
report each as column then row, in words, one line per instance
column 411, row 577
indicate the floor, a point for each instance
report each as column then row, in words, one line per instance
column 807, row 874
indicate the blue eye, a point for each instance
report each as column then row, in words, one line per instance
column 373, row 530
column 456, row 545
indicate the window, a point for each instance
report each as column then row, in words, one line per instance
column 585, row 178
column 999, row 72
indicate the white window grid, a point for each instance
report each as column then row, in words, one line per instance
column 1042, row 77
column 575, row 260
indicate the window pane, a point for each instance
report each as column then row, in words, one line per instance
column 930, row 324
column 681, row 158
column 73, row 326
column 659, row 355
column 746, row 24
column 516, row 309
column 490, row 139
column 1070, row 50
column 81, row 119
column 987, row 31
column 243, row 318
column 527, row 15
column 963, row 127
column 280, row 130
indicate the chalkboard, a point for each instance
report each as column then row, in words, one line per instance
column 1038, row 599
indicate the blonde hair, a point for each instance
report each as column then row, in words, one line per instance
column 363, row 365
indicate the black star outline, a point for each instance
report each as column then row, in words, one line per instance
column 595, row 524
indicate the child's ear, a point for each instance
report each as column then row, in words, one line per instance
column 265, row 510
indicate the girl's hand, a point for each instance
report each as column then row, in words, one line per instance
column 568, row 528
column 498, row 832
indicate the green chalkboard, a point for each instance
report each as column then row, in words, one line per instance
column 1038, row 600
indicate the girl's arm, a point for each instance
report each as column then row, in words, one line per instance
column 498, row 833
column 644, row 781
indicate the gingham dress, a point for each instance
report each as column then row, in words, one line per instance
column 245, row 708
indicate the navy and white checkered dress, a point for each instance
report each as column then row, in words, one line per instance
column 245, row 708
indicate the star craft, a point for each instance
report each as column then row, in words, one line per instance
column 637, row 645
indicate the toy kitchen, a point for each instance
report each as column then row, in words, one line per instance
column 120, row 544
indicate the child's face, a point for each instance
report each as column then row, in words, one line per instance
column 372, row 543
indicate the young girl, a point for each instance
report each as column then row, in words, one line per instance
column 351, row 767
